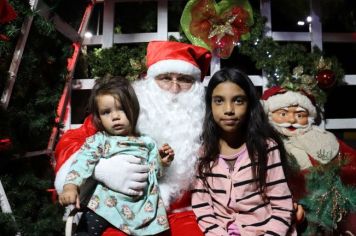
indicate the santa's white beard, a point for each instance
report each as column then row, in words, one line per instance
column 282, row 128
column 175, row 119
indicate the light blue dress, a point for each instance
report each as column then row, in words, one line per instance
column 143, row 215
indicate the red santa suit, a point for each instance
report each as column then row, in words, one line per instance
column 168, row 118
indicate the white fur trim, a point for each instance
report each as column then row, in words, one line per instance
column 289, row 98
column 173, row 66
column 62, row 173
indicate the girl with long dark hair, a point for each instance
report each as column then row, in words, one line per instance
column 241, row 188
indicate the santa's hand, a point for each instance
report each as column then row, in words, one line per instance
column 123, row 173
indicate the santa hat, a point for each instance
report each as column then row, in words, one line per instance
column 277, row 97
column 175, row 57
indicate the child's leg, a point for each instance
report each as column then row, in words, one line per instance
column 91, row 224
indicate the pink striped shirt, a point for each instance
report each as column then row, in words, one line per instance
column 247, row 211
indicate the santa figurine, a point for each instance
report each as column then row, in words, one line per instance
column 171, row 111
column 293, row 114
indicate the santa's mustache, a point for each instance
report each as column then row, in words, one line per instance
column 286, row 125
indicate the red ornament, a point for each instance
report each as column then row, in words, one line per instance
column 326, row 79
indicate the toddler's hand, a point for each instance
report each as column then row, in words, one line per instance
column 167, row 154
column 69, row 195
column 299, row 213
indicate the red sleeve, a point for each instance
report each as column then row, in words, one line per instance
column 72, row 140
column 348, row 172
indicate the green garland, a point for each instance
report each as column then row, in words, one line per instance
column 288, row 65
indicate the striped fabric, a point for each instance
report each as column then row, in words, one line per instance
column 249, row 212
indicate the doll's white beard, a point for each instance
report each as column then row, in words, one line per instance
column 175, row 119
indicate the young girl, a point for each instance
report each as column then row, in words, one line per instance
column 115, row 110
column 241, row 188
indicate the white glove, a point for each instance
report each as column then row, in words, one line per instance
column 62, row 173
column 123, row 173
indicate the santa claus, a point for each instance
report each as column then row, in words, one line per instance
column 172, row 109
column 293, row 114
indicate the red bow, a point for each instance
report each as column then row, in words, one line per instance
column 220, row 31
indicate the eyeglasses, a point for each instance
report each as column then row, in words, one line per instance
column 167, row 80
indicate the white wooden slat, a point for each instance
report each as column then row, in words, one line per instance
column 82, row 84
column 291, row 36
column 350, row 79
column 265, row 7
column 315, row 25
column 162, row 20
column 138, row 37
column 108, row 24
column 340, row 123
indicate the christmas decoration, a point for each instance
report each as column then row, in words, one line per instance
column 7, row 12
column 293, row 67
column 325, row 76
column 289, row 65
column 27, row 123
column 217, row 26
column 5, row 144
column 329, row 202
column 326, row 79
column 40, row 81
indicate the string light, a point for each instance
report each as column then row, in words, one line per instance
column 88, row 35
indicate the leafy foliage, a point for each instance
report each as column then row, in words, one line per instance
column 288, row 65
column 33, row 210
column 28, row 121
column 38, row 84
column 329, row 200
column 120, row 60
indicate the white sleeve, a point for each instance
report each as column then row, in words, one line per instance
column 62, row 173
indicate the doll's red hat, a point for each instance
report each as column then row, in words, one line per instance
column 278, row 97
column 175, row 57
